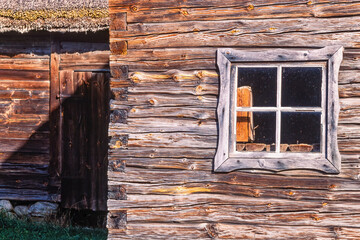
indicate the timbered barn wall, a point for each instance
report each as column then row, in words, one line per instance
column 24, row 116
column 27, row 171
column 164, row 133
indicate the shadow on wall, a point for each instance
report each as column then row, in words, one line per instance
column 25, row 137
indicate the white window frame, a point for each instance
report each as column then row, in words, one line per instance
column 229, row 60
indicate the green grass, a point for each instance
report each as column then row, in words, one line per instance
column 18, row 229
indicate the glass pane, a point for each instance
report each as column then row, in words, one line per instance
column 262, row 84
column 301, row 87
column 255, row 131
column 301, row 131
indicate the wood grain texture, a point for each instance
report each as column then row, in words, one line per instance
column 29, row 108
column 164, row 135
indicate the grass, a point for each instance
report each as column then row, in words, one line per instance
column 24, row 229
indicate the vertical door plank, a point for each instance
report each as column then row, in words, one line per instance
column 85, row 112
column 55, row 133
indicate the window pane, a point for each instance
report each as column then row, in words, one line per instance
column 301, row 131
column 262, row 84
column 255, row 131
column 301, row 87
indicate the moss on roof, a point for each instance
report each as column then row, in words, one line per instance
column 54, row 15
column 32, row 15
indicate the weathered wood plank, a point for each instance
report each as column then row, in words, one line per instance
column 214, row 213
column 15, row 145
column 116, row 153
column 24, row 85
column 242, row 27
column 226, row 231
column 28, row 195
column 31, row 106
column 169, row 112
column 169, row 140
column 331, row 182
column 170, row 100
column 158, row 4
column 24, row 64
column 183, row 196
column 242, row 11
column 165, row 125
column 24, row 158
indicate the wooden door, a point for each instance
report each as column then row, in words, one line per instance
column 84, row 111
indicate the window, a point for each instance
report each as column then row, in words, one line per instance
column 278, row 109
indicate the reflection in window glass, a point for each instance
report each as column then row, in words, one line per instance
column 301, row 87
column 301, row 131
column 255, row 131
column 262, row 83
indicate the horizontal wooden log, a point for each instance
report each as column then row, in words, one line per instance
column 197, row 64
column 245, row 204
column 350, row 110
column 28, row 169
column 23, row 134
column 169, row 140
column 168, row 163
column 241, row 11
column 25, row 85
column 24, row 64
column 215, row 213
column 15, row 145
column 28, row 195
column 293, row 182
column 282, row 232
column 213, row 193
column 23, row 94
column 15, row 75
column 351, row 90
column 24, row 158
column 144, row 5
column 25, row 121
column 170, row 112
column 227, row 231
column 199, row 90
column 349, row 77
column 144, row 152
column 171, row 100
column 229, row 39
column 241, row 27
column 349, row 131
column 86, row 57
column 165, row 125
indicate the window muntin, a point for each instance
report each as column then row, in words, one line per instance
column 265, row 103
column 327, row 156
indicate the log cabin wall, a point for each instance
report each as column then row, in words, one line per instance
column 163, row 125
column 27, row 171
column 24, row 117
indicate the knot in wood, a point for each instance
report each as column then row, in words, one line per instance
column 184, row 12
column 198, row 89
column 175, row 77
column 133, row 8
column 250, row 7
column 152, row 101
column 199, row 74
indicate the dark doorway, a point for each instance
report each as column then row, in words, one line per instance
column 83, row 125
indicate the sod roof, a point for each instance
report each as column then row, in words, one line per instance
column 53, row 15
